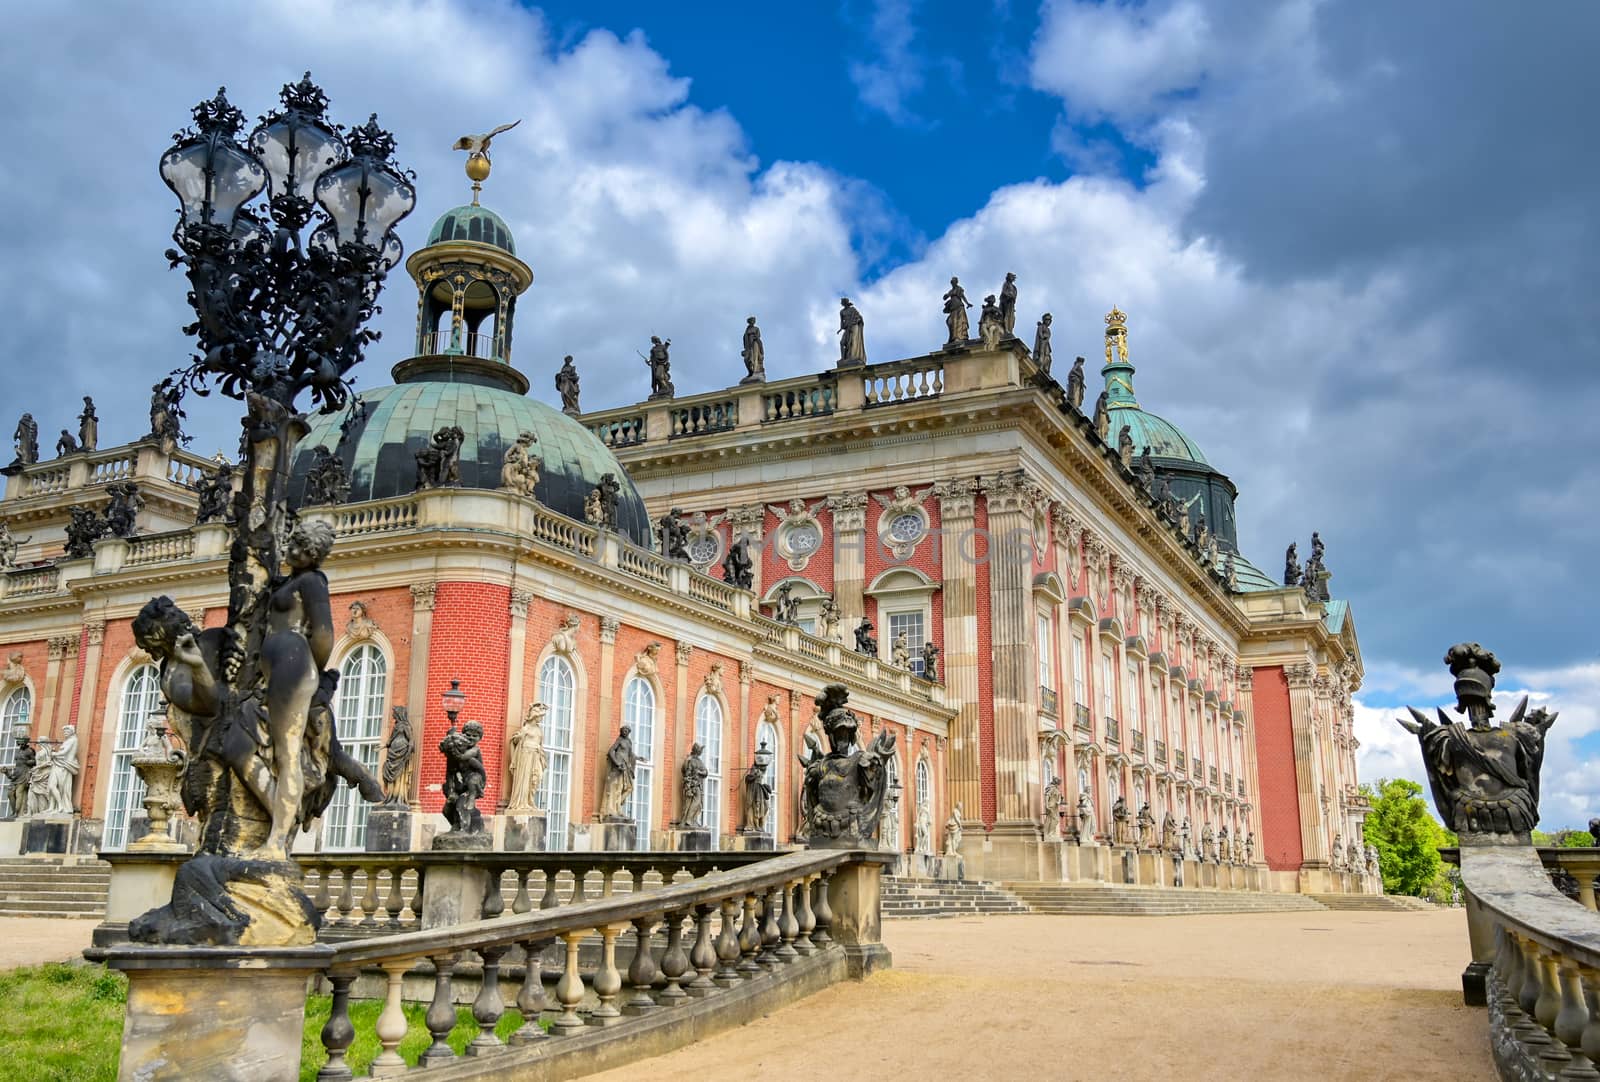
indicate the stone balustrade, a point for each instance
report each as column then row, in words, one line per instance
column 139, row 462
column 705, row 954
column 1536, row 961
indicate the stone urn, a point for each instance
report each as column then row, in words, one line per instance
column 158, row 765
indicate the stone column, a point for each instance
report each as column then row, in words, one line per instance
column 959, row 592
column 88, row 690
column 606, row 710
column 45, row 710
column 1314, row 848
column 850, row 555
column 422, row 598
column 1011, row 499
column 516, row 661
column 684, row 718
column 747, row 726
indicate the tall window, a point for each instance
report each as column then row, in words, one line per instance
column 363, row 689
column 911, row 624
column 1047, row 653
column 768, row 735
column 1108, row 686
column 556, row 684
column 1079, row 670
column 1133, row 696
column 13, row 719
column 924, row 783
column 639, row 713
column 141, row 697
column 708, row 734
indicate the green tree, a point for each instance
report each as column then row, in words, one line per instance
column 1407, row 837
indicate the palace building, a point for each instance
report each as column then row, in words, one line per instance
column 1096, row 651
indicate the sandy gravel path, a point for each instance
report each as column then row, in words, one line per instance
column 1355, row 996
column 32, row 941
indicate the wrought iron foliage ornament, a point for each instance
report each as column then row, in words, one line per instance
column 281, row 295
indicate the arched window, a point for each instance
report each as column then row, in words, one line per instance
column 923, row 780
column 639, row 713
column 767, row 734
column 141, row 697
column 363, row 689
column 708, row 734
column 13, row 720
column 556, row 688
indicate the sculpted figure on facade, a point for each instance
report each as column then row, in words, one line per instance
column 1208, row 842
column 1355, row 856
column 88, row 426
column 952, row 832
column 660, row 364
column 755, row 795
column 464, row 777
column 1336, row 854
column 889, row 830
column 399, row 753
column 828, row 620
column 852, row 335
column 648, row 660
column 1085, row 818
column 600, row 506
column 1053, row 803
column 327, row 481
column 520, row 465
column 19, row 774
column 1076, row 385
column 737, row 567
column 1147, row 827
column 692, row 787
column 1250, row 848
column 50, row 787
column 1008, row 305
column 846, row 786
column 901, row 649
column 930, row 662
column 1121, row 828
column 673, row 533
column 1102, row 417
column 616, row 792
column 216, row 494
column 1042, row 356
column 1484, row 778
column 9, row 544
column 922, row 832
column 528, row 761
column 955, row 314
column 990, row 325
column 866, row 641
column 754, row 353
column 439, row 463
column 564, row 640
column 1373, row 868
column 122, row 513
column 1185, row 838
column 567, row 386
column 1224, row 845
column 1169, row 832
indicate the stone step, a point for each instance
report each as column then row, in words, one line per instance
column 1109, row 900
column 1373, row 903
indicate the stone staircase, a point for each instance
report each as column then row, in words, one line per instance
column 1101, row 899
column 945, row 898
column 51, row 887
column 1374, row 903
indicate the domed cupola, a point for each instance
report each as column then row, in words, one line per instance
column 468, row 280
column 1194, row 480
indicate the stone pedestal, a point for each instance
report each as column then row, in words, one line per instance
column 453, row 894
column 752, row 841
column 688, row 840
column 389, row 829
column 1191, row 872
column 952, row 866
column 524, row 833
column 1208, row 874
column 1150, row 869
column 10, row 837
column 226, row 1013
column 139, row 883
column 462, row 841
column 615, row 835
column 854, row 895
column 61, row 836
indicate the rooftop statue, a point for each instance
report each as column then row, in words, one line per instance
column 88, row 426
column 327, row 481
column 1484, row 778
column 866, row 641
column 84, row 528
column 122, row 513
column 1041, row 345
column 567, row 386
column 1102, row 417
column 955, row 314
column 1008, row 305
column 519, row 467
column 930, row 662
column 852, row 335
column 1076, row 385
column 845, row 788
column 753, row 353
column 66, row 445
column 660, row 369
column 1291, row 565
column 674, row 536
column 164, row 426
column 439, row 463
column 600, row 506
column 1125, row 446
column 27, row 437
column 991, row 326
column 216, row 493
column 737, row 567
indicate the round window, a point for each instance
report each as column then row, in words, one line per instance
column 704, row 549
column 804, row 539
column 906, row 527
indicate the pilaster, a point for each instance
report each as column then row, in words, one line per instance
column 1301, row 676
column 849, row 554
column 516, row 661
column 422, row 600
column 959, row 593
column 1010, row 499
column 606, row 707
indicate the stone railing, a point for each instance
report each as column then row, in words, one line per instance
column 904, row 381
column 815, row 399
column 141, row 462
column 643, row 564
column 1080, row 717
column 1113, row 731
column 1536, row 964
column 620, row 431
column 701, row 418
column 30, row 581
column 158, row 548
column 375, row 516
column 707, row 954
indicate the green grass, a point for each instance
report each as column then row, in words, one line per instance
column 64, row 1024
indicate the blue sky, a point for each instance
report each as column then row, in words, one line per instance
column 1357, row 243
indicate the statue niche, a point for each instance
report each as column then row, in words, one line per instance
column 845, row 788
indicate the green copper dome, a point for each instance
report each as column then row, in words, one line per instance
column 381, row 457
column 473, row 223
column 1165, row 439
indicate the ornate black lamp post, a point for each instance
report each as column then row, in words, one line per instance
column 454, row 700
column 282, row 290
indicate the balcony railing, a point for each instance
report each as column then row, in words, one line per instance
column 1211, row 776
column 1080, row 718
column 1047, row 701
column 1113, row 731
column 1161, row 751
column 1241, row 787
column 1196, row 771
column 703, row 417
column 620, row 431
column 789, row 403
column 490, row 347
column 1138, row 742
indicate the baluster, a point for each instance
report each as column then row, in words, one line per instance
column 578, row 876
column 822, row 911
column 703, row 955
column 938, row 380
column 808, row 921
column 488, row 1006
column 320, row 899
column 369, row 900
column 549, row 900
column 569, row 989
column 728, row 945
column 1573, row 1018
column 789, row 926
column 1549, row 1001
column 674, row 962
column 522, row 903
column 607, row 981
column 605, row 881
column 771, row 931
column 1591, row 1028
column 346, row 901
column 749, row 938
column 416, row 895
column 493, row 903
column 441, row 1016
column 394, row 901
column 338, row 1032
column 531, row 998
column 391, row 1027
column 1586, row 887
column 642, row 970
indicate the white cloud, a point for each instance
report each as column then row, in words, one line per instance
column 1117, row 59
column 887, row 82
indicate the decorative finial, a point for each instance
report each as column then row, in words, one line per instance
column 1116, row 320
column 1117, row 336
column 477, row 148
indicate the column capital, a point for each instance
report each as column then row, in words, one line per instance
column 957, row 497
column 520, row 600
column 849, row 511
column 1012, row 491
column 749, row 520
column 1300, row 674
column 96, row 631
column 685, row 651
column 422, row 595
column 1244, row 677
column 609, row 625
